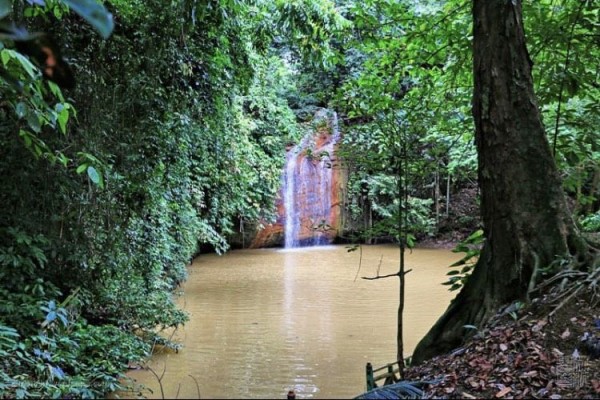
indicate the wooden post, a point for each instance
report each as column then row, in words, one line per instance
column 370, row 381
column 391, row 376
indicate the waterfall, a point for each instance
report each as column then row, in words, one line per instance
column 308, row 187
column 291, row 220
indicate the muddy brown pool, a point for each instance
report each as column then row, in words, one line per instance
column 265, row 321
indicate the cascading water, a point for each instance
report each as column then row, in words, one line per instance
column 291, row 220
column 308, row 188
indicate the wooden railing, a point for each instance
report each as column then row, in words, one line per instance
column 391, row 375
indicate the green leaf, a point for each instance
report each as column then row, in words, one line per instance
column 94, row 175
column 55, row 89
column 21, row 109
column 81, row 168
column 63, row 116
column 8, row 54
column 94, row 13
column 26, row 137
column 5, row 55
column 455, row 286
column 472, row 253
column 460, row 262
column 64, row 160
column 57, row 12
column 460, row 248
column 475, row 235
column 8, row 331
column 33, row 121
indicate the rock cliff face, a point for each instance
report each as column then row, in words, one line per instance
column 312, row 194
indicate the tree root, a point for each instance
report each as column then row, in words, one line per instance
column 574, row 290
column 569, row 288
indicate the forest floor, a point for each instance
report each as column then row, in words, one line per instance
column 461, row 220
column 538, row 351
column 533, row 351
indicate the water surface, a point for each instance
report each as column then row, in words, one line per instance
column 269, row 320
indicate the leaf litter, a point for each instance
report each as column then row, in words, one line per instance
column 524, row 355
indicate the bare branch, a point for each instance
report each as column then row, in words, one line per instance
column 372, row 278
column 159, row 379
column 379, row 276
column 197, row 385
column 359, row 263
column 379, row 265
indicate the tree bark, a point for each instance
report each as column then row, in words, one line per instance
column 526, row 221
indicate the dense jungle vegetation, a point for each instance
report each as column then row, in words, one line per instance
column 135, row 134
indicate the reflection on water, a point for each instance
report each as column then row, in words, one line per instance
column 266, row 321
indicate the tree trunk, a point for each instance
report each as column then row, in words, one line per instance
column 526, row 221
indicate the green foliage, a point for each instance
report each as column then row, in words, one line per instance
column 382, row 165
column 471, row 246
column 564, row 52
column 311, row 23
column 76, row 360
column 93, row 13
column 180, row 132
column 8, row 338
column 409, row 63
column 406, row 96
column 176, row 131
column 591, row 223
column 578, row 150
column 26, row 105
column 413, row 62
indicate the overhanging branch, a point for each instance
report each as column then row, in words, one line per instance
column 372, row 278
